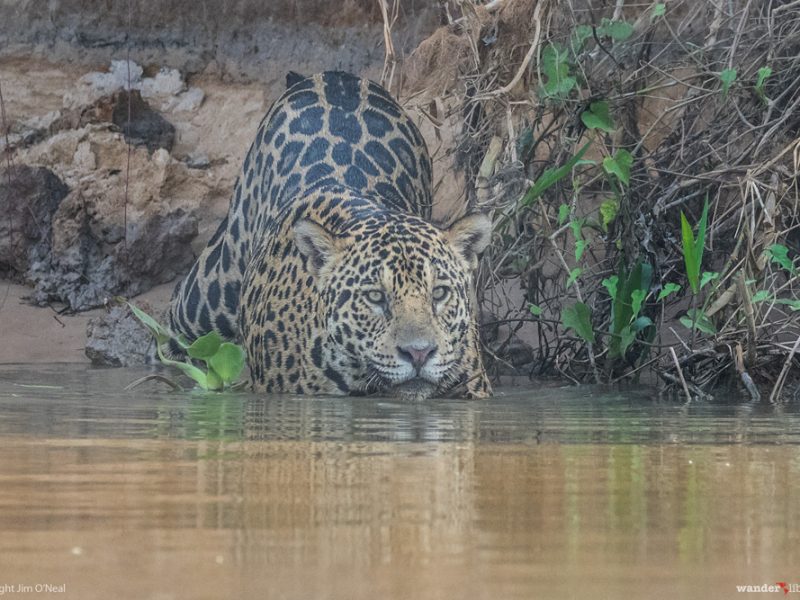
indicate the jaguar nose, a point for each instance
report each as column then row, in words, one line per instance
column 417, row 353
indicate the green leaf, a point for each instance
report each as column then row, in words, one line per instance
column 214, row 380
column 578, row 317
column 637, row 298
column 579, row 35
column 779, row 254
column 668, row 290
column 552, row 176
column 659, row 10
column 161, row 333
column 205, row 346
column 535, row 309
column 700, row 242
column 707, row 277
column 563, row 213
column 727, row 76
column 762, row 295
column 573, row 275
column 618, row 31
column 610, row 283
column 619, row 165
column 699, row 321
column 689, row 258
column 228, row 362
column 763, row 74
column 576, row 225
column 641, row 323
column 627, row 336
column 793, row 304
column 188, row 369
column 555, row 66
column 597, row 117
column 580, row 248
column 608, row 212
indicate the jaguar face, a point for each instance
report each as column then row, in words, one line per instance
column 397, row 297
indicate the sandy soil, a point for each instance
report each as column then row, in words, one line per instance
column 30, row 334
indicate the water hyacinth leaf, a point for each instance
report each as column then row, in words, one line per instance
column 188, row 369
column 727, row 77
column 214, row 381
column 551, row 176
column 160, row 332
column 608, row 212
column 578, row 317
column 668, row 290
column 619, row 165
column 597, row 117
column 205, row 346
column 228, row 362
column 535, row 309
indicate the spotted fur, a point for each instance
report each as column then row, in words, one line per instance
column 327, row 266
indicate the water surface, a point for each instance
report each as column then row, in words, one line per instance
column 538, row 493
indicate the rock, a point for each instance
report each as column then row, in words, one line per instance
column 29, row 197
column 93, row 86
column 188, row 101
column 167, row 84
column 118, row 339
column 140, row 124
column 30, row 131
column 198, row 161
column 93, row 259
column 84, row 158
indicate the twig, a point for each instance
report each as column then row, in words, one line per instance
column 780, row 382
column 680, row 374
column 390, row 59
column 153, row 377
column 537, row 24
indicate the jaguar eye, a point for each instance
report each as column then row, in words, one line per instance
column 376, row 297
column 441, row 293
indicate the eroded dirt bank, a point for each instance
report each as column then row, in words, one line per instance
column 135, row 210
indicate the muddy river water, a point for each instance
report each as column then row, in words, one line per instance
column 538, row 493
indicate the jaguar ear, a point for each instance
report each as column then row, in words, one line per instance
column 470, row 235
column 315, row 243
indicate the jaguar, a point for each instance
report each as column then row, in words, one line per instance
column 328, row 267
